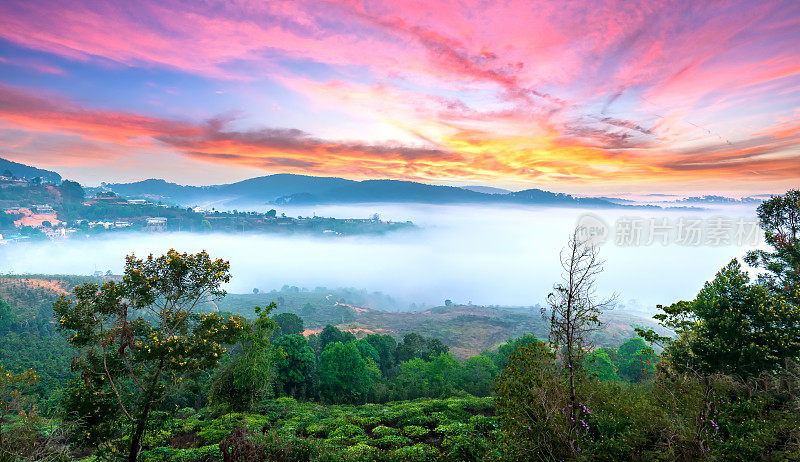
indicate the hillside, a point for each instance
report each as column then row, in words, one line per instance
column 289, row 189
column 260, row 190
column 370, row 191
column 467, row 330
column 28, row 172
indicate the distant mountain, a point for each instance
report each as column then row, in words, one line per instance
column 269, row 188
column 25, row 171
column 407, row 191
column 386, row 191
column 288, row 189
column 486, row 189
column 259, row 190
column 159, row 190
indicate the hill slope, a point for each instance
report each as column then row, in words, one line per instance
column 25, row 171
column 289, row 189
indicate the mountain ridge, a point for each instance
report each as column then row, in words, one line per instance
column 26, row 171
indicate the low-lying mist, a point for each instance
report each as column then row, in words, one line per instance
column 483, row 255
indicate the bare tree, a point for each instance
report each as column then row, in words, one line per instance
column 575, row 311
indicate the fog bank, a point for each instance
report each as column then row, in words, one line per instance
column 483, row 255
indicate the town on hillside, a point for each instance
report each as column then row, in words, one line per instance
column 37, row 209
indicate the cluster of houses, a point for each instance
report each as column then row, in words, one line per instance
column 45, row 219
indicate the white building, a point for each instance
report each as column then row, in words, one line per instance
column 157, row 224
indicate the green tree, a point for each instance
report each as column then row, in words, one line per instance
column 779, row 217
column 7, row 318
column 294, row 363
column 308, row 310
column 531, row 401
column 71, row 192
column 272, row 213
column 600, row 365
column 288, row 323
column 386, row 346
column 417, row 346
column 733, row 327
column 343, row 374
column 636, row 360
column 144, row 333
column 368, row 352
column 248, row 377
column 477, row 375
column 331, row 334
column 436, row 378
column 91, row 412
column 505, row 350
column 15, row 396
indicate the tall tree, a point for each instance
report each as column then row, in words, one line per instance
column 343, row 374
column 779, row 217
column 71, row 192
column 145, row 333
column 575, row 311
column 732, row 327
column 288, row 323
column 385, row 345
column 248, row 377
column 294, row 363
column 15, row 397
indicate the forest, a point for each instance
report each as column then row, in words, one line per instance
column 137, row 367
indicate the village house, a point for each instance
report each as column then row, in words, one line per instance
column 104, row 224
column 156, row 224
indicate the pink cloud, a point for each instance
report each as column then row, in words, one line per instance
column 591, row 90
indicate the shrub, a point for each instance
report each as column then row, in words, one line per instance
column 414, row 431
column 390, row 442
column 382, row 430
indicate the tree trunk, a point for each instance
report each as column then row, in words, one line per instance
column 136, row 441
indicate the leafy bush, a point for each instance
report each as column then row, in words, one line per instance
column 391, row 442
column 382, row 430
column 414, row 431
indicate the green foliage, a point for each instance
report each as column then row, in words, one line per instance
column 508, row 348
column 143, row 334
column 436, row 378
column 71, row 192
column 91, row 413
column 7, row 318
column 477, row 375
column 531, row 400
column 252, row 370
column 343, row 375
column 15, row 397
column 288, row 323
column 732, row 327
column 600, row 365
column 368, row 352
column 779, row 217
column 385, row 346
column 635, row 360
column 331, row 334
column 294, row 362
column 417, row 346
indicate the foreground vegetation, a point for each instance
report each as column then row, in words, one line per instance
column 157, row 378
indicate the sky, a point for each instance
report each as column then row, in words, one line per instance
column 582, row 96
